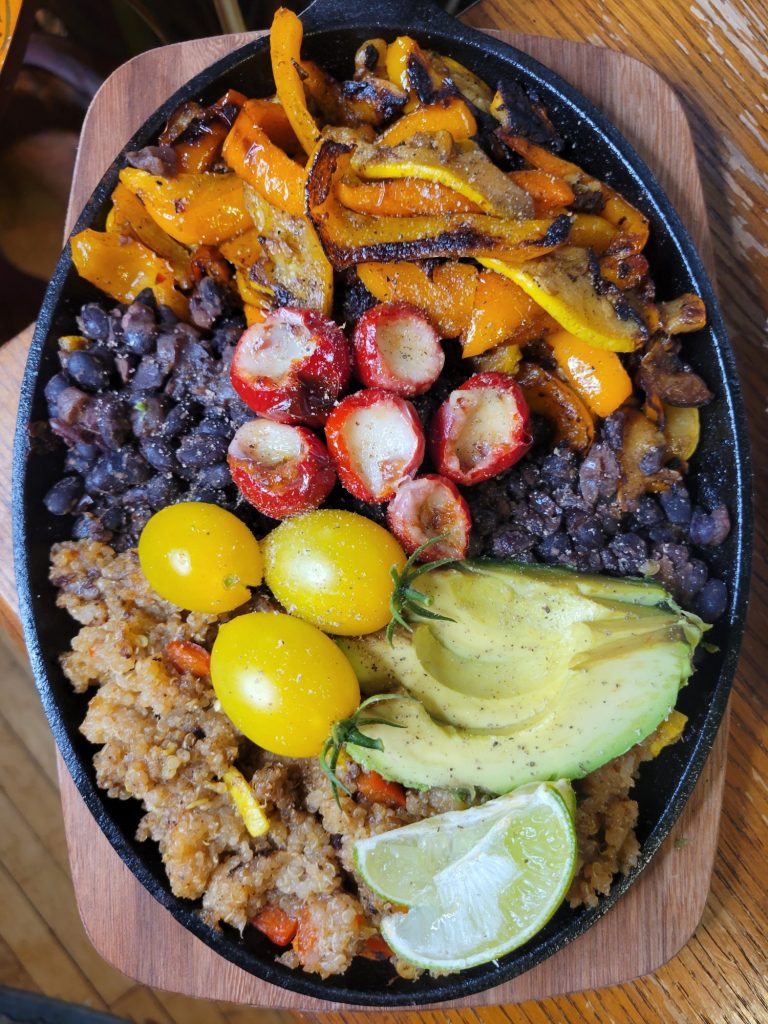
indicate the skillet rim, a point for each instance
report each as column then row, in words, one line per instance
column 423, row 20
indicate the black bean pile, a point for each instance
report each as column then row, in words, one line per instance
column 147, row 411
column 558, row 508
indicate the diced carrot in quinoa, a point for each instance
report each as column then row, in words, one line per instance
column 379, row 790
column 276, row 925
column 375, row 948
column 186, row 656
column 306, row 934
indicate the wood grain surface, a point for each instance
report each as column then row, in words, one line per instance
column 720, row 974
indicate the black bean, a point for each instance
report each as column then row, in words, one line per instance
column 585, row 530
column 652, row 460
column 691, row 578
column 148, row 415
column 217, row 476
column 139, row 328
column 712, row 601
column 52, row 390
column 106, row 417
column 211, row 495
column 663, row 533
column 81, row 457
column 169, row 348
column 89, row 527
column 165, row 315
column 647, row 512
column 599, row 474
column 198, row 450
column 147, row 297
column 676, row 503
column 554, row 547
column 160, row 455
column 161, row 490
column 709, row 529
column 179, row 420
column 511, row 542
column 149, row 376
column 206, row 303
column 93, row 321
column 216, row 422
column 64, row 495
column 631, row 553
column 87, row 370
column 560, row 468
column 126, row 367
column 116, row 472
column 114, row 518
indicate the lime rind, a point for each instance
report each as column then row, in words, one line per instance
column 478, row 883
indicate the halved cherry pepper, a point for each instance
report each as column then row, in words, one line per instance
column 481, row 429
column 376, row 441
column 292, row 366
column 397, row 348
column 280, row 469
column 427, row 507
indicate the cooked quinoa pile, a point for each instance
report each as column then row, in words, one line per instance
column 163, row 740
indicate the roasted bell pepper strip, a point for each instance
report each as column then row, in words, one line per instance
column 502, row 312
column 129, row 217
column 255, row 314
column 449, row 114
column 549, row 397
column 378, row 790
column 592, row 232
column 248, row 807
column 276, row 925
column 410, row 68
column 624, row 271
column 562, row 284
column 122, row 267
column 195, row 209
column 285, row 50
column 670, row 731
column 198, row 147
column 468, row 172
column 403, row 197
column 548, row 191
column 446, row 295
column 681, row 430
column 250, row 153
column 630, row 221
column 349, row 238
column 505, row 358
column 596, row 374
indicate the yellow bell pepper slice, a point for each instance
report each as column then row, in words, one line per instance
column 122, row 267
column 195, row 209
column 399, row 54
column 670, row 730
column 244, row 799
column 285, row 50
column 595, row 373
column 592, row 232
column 562, row 285
column 128, row 216
column 450, row 114
column 446, row 296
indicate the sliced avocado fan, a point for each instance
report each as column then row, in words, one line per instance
column 543, row 673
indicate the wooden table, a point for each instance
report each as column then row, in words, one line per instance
column 720, row 974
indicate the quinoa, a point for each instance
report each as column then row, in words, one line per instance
column 164, row 741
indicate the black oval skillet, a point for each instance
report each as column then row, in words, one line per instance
column 720, row 473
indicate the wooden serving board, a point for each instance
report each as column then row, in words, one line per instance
column 659, row 914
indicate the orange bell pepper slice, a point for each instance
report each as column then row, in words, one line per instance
column 502, row 312
column 548, row 191
column 122, row 267
column 548, row 396
column 252, row 155
column 594, row 373
column 399, row 55
column 592, row 232
column 403, row 197
column 195, row 209
column 449, row 114
column 285, row 50
column 617, row 211
column 446, row 296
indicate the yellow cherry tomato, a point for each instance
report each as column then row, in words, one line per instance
column 333, row 569
column 282, row 682
column 200, row 557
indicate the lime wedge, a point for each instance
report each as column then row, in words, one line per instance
column 478, row 883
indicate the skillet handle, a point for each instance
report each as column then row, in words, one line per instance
column 408, row 14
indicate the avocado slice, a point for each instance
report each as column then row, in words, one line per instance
column 544, row 673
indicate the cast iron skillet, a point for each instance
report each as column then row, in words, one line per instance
column 720, row 472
